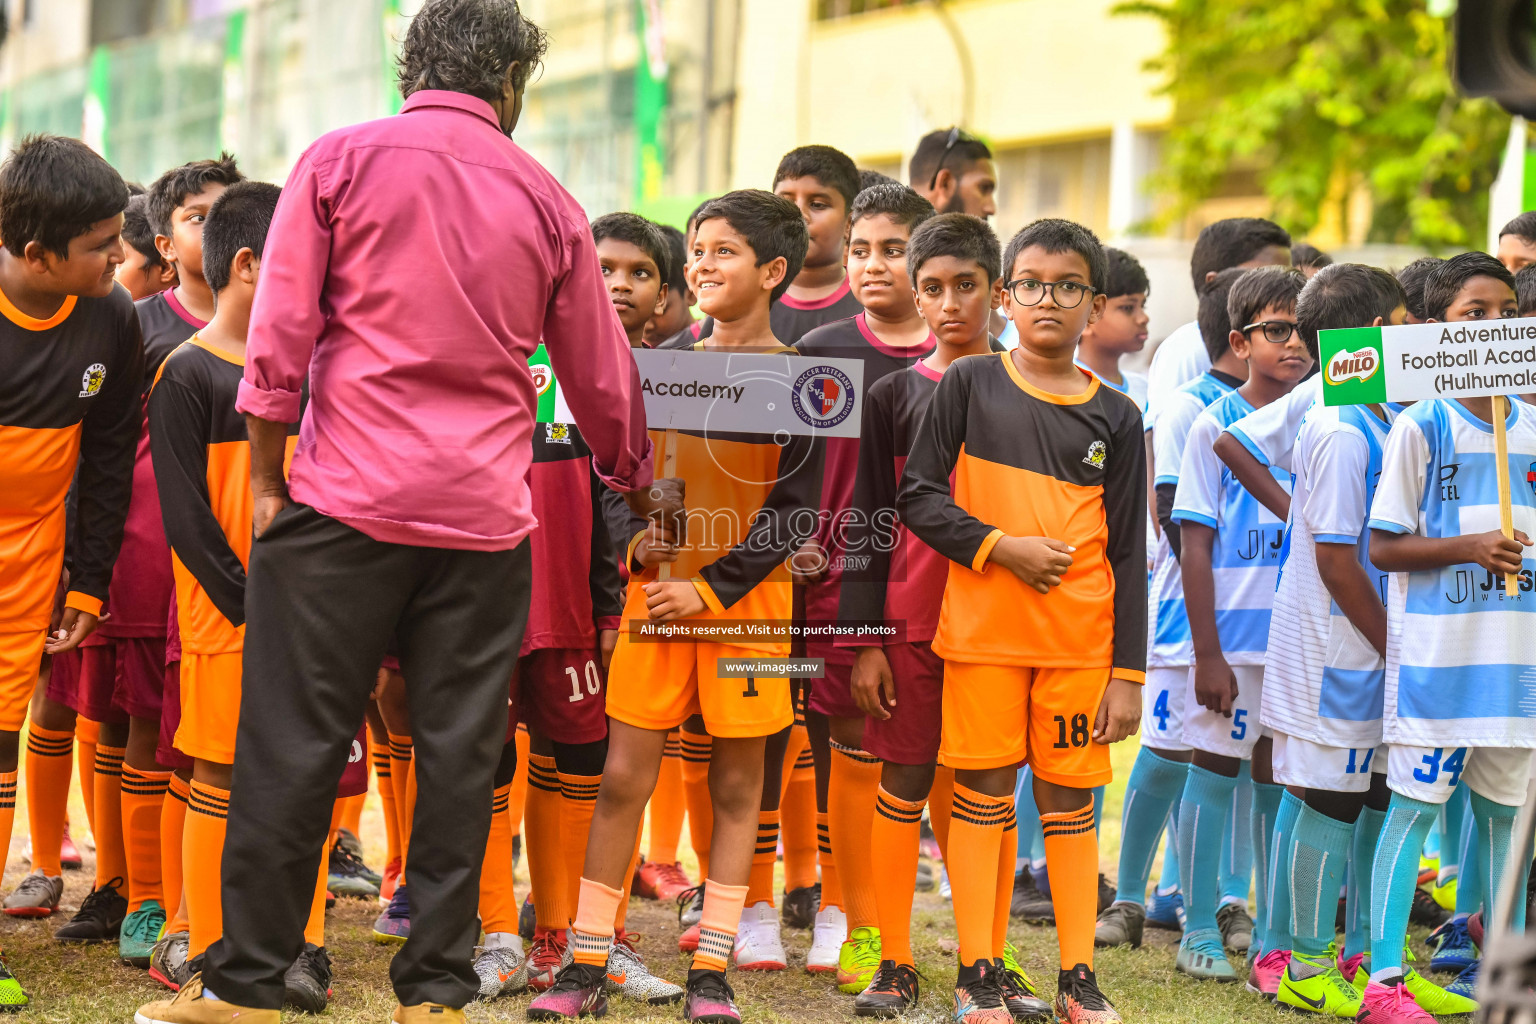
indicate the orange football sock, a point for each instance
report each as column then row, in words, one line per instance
column 831, row 884
column 976, row 836
column 701, row 816
column 546, row 855
column 7, row 808
column 578, row 798
column 87, row 734
column 201, row 859
column 941, row 799
column 517, row 800
column 383, row 774
column 352, row 813
column 592, row 931
column 717, row 928
column 851, row 812
column 1072, row 858
column 797, row 813
column 400, row 750
column 893, row 858
column 143, row 800
column 498, row 901
column 50, row 763
column 173, row 828
column 314, row 927
column 667, row 805
column 764, row 856
column 1008, row 851
column 111, row 856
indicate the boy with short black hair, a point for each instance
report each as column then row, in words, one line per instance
column 1449, row 716
column 179, row 201
column 1042, row 626
column 1324, row 668
column 1122, row 329
column 1412, row 278
column 636, row 262
column 888, row 336
column 1517, row 242
column 145, row 272
column 72, row 353
column 898, row 681
column 1309, row 259
column 1525, row 290
column 202, row 468
column 1222, row 527
column 747, row 248
column 677, row 314
column 823, row 182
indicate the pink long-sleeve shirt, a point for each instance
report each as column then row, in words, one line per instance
column 412, row 267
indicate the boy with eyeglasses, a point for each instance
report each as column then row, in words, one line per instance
column 1229, row 555
column 1027, row 474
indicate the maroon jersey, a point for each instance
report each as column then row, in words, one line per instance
column 577, row 589
column 141, row 585
column 846, row 339
column 902, row 579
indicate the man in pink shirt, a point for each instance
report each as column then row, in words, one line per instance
column 412, row 267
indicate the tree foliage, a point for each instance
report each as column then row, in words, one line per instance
column 1321, row 98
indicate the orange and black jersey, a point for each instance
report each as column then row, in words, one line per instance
column 202, row 459
column 890, row 576
column 71, row 393
column 1027, row 463
column 571, row 543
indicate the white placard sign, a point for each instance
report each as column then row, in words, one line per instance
column 752, row 393
column 1419, row 361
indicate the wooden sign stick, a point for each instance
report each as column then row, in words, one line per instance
column 669, row 468
column 1506, row 509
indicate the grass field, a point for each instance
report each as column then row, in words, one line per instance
column 87, row 985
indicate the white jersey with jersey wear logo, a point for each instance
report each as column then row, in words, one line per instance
column 1246, row 555
column 1323, row 681
column 1168, row 640
column 1269, row 433
column 1461, row 655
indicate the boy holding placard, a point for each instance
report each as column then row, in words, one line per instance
column 748, row 491
column 1458, row 645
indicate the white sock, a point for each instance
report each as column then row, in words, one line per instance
column 504, row 940
column 1386, row 974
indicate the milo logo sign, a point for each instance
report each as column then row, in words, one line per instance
column 1352, row 366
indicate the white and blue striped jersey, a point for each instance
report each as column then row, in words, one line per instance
column 1269, row 433
column 1461, row 656
column 1246, row 555
column 1323, row 681
column 1169, row 643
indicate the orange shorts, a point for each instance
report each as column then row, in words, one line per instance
column 1000, row 715
column 210, row 706
column 21, row 655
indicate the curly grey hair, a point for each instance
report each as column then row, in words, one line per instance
column 467, row 46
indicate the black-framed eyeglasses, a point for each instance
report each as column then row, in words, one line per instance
column 956, row 136
column 1276, row 332
column 1026, row 291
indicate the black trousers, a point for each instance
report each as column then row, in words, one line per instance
column 322, row 603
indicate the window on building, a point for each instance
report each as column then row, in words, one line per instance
column 114, row 20
column 829, row 9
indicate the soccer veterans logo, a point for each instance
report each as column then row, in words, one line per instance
column 824, row 396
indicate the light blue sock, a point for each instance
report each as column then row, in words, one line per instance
column 1454, row 816
column 1394, row 876
column 1149, row 795
column 1319, row 851
column 1274, row 929
column 1237, row 844
column 1168, row 881
column 1357, row 900
column 1266, row 812
column 1495, row 830
column 1098, row 807
column 1203, row 820
column 1471, row 883
column 1434, row 843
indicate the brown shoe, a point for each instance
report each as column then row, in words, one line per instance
column 428, row 1013
column 189, row 1007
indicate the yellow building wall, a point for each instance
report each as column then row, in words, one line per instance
column 872, row 84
